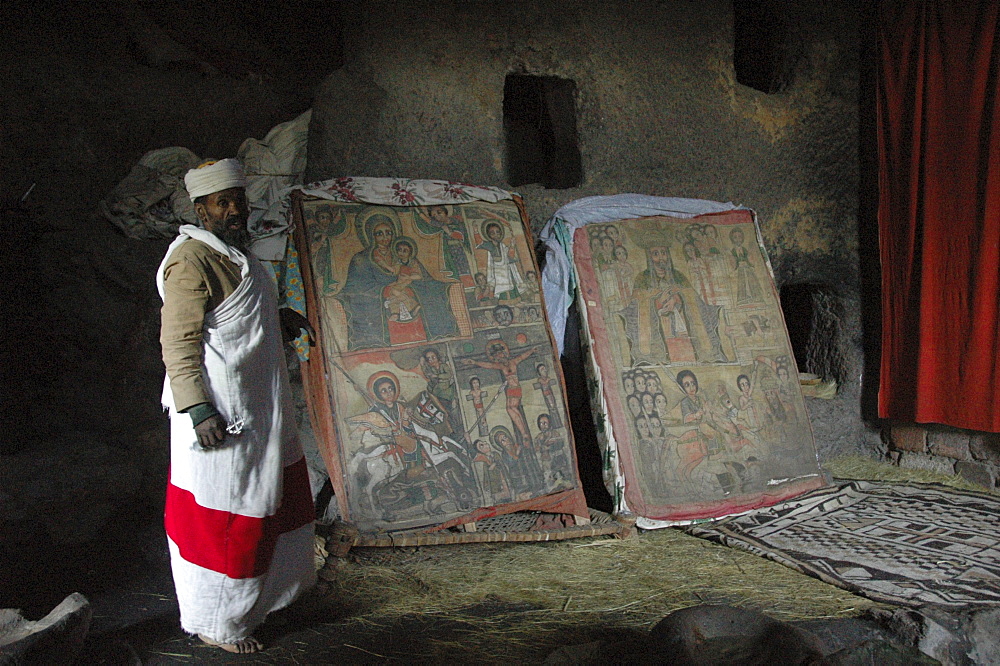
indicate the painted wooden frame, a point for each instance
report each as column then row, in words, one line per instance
column 435, row 388
column 696, row 388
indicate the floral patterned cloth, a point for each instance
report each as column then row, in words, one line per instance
column 288, row 279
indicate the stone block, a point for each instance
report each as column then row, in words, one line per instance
column 983, row 635
column 54, row 640
column 908, row 438
column 922, row 461
column 976, row 473
column 985, row 446
column 949, row 443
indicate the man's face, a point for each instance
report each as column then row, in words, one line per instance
column 387, row 392
column 640, row 384
column 432, row 358
column 474, row 384
column 494, row 232
column 225, row 213
column 659, row 257
column 323, row 218
column 744, row 385
column 689, row 384
column 543, row 371
column 504, row 317
column 543, row 423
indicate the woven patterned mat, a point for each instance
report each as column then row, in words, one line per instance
column 911, row 544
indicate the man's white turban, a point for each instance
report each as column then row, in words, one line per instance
column 214, row 177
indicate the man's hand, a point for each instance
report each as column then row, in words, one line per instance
column 292, row 325
column 211, row 432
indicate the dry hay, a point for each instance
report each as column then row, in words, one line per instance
column 547, row 594
column 869, row 469
column 521, row 600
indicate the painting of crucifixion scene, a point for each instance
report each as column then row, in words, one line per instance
column 445, row 386
column 688, row 340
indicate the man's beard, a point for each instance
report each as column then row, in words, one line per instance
column 663, row 271
column 237, row 238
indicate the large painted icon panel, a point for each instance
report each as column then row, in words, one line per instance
column 445, row 394
column 696, row 371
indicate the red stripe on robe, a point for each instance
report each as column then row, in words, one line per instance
column 231, row 544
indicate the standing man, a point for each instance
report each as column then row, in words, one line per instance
column 239, row 512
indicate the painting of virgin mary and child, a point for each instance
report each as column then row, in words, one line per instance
column 389, row 297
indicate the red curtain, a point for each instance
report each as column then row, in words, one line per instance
column 939, row 211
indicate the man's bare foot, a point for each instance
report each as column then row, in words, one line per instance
column 243, row 646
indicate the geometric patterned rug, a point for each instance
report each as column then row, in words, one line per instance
column 911, row 544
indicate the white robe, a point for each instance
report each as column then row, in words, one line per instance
column 502, row 272
column 239, row 518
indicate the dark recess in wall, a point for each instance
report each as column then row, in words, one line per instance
column 760, row 46
column 539, row 118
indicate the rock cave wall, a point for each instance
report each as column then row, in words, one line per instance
column 658, row 111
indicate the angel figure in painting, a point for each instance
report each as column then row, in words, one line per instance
column 624, row 274
column 454, row 240
column 747, row 287
column 324, row 228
